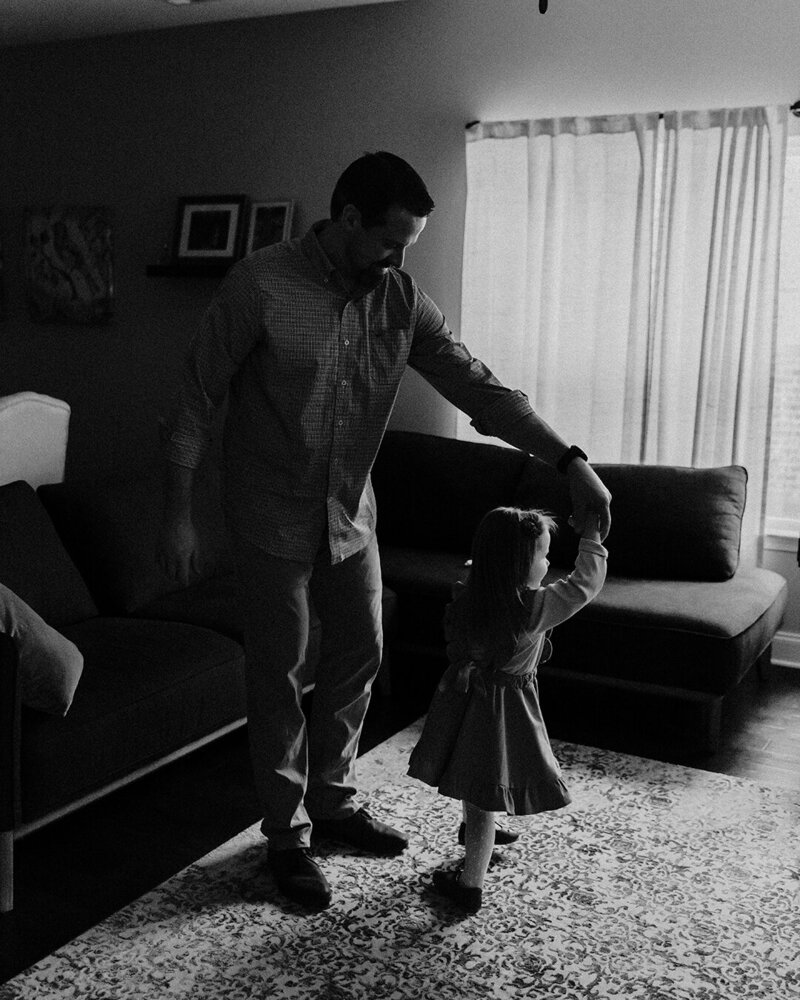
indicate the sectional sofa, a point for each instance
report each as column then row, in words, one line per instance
column 676, row 627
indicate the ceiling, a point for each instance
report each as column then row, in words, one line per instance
column 24, row 22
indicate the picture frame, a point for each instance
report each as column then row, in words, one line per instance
column 209, row 228
column 269, row 222
column 2, row 284
column 69, row 274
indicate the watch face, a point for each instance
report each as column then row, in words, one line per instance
column 572, row 452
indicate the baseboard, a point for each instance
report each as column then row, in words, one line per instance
column 786, row 649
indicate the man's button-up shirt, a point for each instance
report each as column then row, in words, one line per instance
column 311, row 374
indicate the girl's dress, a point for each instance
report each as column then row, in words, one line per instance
column 484, row 738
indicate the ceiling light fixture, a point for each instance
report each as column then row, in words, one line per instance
column 186, row 3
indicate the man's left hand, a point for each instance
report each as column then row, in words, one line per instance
column 590, row 498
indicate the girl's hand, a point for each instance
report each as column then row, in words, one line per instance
column 591, row 527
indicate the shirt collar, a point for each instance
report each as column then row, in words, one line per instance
column 314, row 252
column 312, row 248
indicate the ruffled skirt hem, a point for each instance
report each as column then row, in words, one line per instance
column 545, row 796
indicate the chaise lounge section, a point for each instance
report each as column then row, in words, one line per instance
column 677, row 625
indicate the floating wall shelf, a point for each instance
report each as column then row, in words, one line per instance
column 189, row 269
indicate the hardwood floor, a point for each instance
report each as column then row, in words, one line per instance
column 84, row 867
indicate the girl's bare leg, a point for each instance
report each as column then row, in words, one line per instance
column 480, row 842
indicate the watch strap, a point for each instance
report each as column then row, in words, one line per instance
column 572, row 452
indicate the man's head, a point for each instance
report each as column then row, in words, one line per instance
column 380, row 206
column 374, row 183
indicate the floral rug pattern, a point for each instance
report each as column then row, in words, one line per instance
column 659, row 882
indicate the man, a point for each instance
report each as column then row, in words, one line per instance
column 308, row 340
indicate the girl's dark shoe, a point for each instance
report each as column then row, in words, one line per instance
column 501, row 837
column 448, row 883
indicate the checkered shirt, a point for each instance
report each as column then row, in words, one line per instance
column 311, row 375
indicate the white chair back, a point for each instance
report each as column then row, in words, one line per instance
column 33, row 438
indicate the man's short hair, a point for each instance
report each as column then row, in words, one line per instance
column 376, row 181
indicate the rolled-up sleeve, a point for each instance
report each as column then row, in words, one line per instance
column 226, row 336
column 462, row 379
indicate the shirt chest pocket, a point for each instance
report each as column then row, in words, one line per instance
column 386, row 354
column 297, row 350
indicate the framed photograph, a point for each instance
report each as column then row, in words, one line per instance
column 270, row 222
column 209, row 228
column 68, row 264
column 2, row 287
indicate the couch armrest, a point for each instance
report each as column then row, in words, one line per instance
column 9, row 766
column 9, row 733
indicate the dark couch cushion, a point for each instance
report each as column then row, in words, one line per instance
column 705, row 638
column 432, row 491
column 675, row 523
column 668, row 522
column 213, row 603
column 35, row 564
column 148, row 689
column 423, row 581
column 426, row 572
column 699, row 636
column 110, row 528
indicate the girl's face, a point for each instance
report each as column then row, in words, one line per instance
column 539, row 565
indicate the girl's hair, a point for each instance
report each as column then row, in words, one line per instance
column 503, row 550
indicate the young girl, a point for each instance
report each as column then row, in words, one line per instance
column 484, row 740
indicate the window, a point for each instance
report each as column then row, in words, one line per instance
column 783, row 491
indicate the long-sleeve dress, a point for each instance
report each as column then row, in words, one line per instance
column 484, row 738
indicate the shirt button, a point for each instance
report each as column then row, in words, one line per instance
column 344, row 381
column 347, row 343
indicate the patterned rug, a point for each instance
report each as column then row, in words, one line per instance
column 658, row 882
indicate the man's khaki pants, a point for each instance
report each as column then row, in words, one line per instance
column 307, row 771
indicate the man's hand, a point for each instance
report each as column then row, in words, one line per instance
column 178, row 552
column 590, row 499
column 177, row 548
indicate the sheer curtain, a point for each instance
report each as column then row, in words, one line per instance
column 622, row 270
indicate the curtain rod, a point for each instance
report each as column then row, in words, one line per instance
column 477, row 121
column 795, row 109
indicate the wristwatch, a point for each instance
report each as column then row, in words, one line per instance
column 572, row 452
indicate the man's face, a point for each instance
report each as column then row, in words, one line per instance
column 373, row 250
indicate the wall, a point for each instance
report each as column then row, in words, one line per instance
column 277, row 107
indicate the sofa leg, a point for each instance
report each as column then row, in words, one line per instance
column 713, row 724
column 763, row 662
column 6, row 871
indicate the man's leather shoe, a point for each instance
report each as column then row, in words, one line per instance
column 362, row 831
column 501, row 837
column 299, row 877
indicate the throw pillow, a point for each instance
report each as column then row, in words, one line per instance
column 50, row 666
